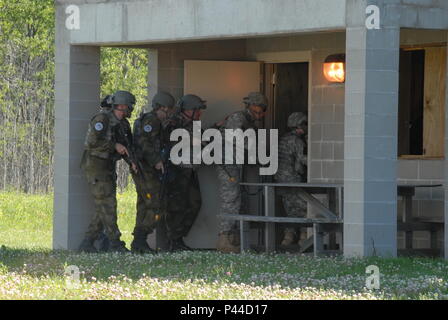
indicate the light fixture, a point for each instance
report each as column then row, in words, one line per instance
column 334, row 68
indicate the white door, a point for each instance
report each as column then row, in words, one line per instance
column 223, row 84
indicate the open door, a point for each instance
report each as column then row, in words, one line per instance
column 223, row 84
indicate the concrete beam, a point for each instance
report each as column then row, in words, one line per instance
column 153, row 21
column 125, row 22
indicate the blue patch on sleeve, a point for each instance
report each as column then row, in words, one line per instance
column 99, row 126
column 147, row 128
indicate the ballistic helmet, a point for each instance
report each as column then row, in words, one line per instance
column 257, row 99
column 298, row 120
column 122, row 97
column 163, row 99
column 104, row 103
column 191, row 102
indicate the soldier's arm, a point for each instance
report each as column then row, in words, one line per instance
column 126, row 140
column 300, row 157
column 150, row 140
column 97, row 138
column 234, row 121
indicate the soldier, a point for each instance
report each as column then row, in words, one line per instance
column 105, row 144
column 102, row 242
column 184, row 195
column 292, row 168
column 147, row 146
column 229, row 176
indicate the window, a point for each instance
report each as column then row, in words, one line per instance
column 421, row 112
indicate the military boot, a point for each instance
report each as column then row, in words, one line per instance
column 117, row 246
column 228, row 242
column 288, row 238
column 87, row 246
column 139, row 245
column 179, row 245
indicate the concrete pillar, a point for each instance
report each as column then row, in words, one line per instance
column 370, row 137
column 446, row 159
column 77, row 89
column 153, row 74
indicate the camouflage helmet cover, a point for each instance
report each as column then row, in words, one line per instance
column 191, row 102
column 163, row 99
column 122, row 97
column 257, row 99
column 297, row 120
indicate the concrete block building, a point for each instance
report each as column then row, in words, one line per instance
column 385, row 125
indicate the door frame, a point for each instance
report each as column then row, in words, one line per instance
column 292, row 57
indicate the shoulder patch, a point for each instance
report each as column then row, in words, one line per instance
column 147, row 128
column 99, row 126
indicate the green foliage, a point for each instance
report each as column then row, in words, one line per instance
column 27, row 93
column 125, row 69
column 27, row 75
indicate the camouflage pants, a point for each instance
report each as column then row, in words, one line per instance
column 148, row 203
column 295, row 207
column 103, row 188
column 183, row 202
column 230, row 193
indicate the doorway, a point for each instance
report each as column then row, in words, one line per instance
column 286, row 86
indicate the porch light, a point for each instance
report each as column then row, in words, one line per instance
column 334, row 68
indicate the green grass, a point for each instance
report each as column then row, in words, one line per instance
column 29, row 269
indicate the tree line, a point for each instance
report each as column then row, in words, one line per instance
column 27, row 77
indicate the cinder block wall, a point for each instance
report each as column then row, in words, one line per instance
column 326, row 109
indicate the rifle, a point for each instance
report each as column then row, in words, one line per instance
column 167, row 176
column 132, row 159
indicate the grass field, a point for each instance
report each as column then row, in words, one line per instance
column 29, row 269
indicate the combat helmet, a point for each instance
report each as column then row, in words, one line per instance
column 104, row 103
column 163, row 99
column 257, row 99
column 122, row 97
column 298, row 120
column 191, row 102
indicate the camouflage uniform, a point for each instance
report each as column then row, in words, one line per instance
column 229, row 176
column 291, row 167
column 98, row 163
column 147, row 130
column 292, row 163
column 183, row 192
